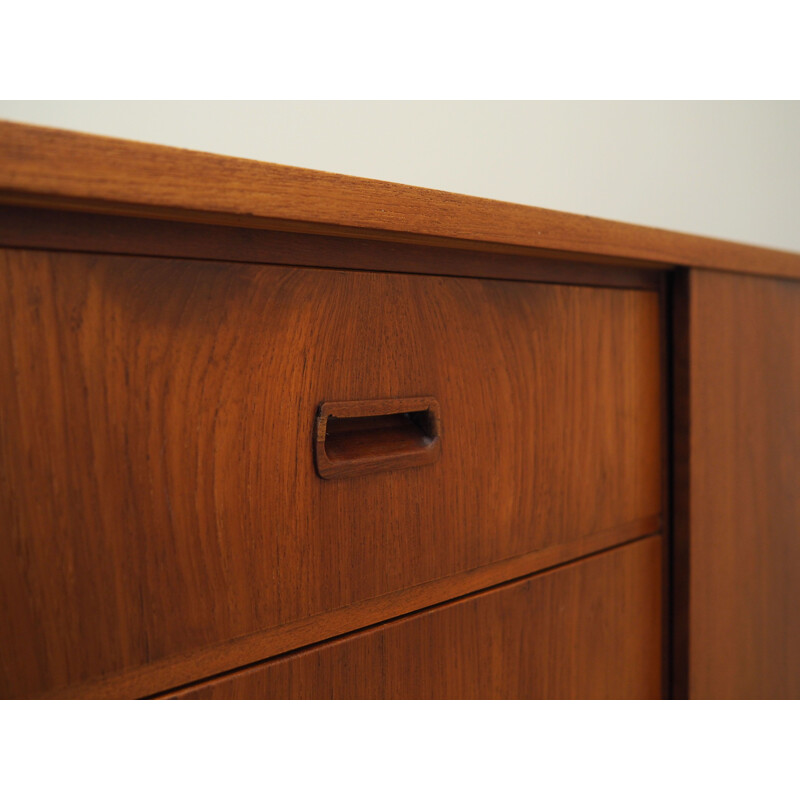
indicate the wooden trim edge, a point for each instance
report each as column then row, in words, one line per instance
column 47, row 167
column 48, row 229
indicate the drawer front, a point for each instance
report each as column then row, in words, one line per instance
column 159, row 490
column 589, row 630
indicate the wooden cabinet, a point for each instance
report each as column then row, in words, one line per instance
column 256, row 426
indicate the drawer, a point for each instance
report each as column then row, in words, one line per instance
column 159, row 488
column 590, row 630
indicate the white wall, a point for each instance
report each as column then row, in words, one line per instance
column 725, row 169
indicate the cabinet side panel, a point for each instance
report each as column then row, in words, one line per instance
column 741, row 535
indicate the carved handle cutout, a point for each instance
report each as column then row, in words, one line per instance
column 356, row 437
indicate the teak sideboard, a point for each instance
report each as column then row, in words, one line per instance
column 274, row 433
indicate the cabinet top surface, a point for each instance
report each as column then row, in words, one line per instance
column 53, row 168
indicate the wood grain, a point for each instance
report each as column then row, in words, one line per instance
column 157, row 487
column 738, row 488
column 588, row 630
column 61, row 169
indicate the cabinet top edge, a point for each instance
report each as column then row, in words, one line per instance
column 53, row 168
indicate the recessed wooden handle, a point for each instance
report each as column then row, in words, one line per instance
column 355, row 437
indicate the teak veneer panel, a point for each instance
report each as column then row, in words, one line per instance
column 588, row 630
column 738, row 460
column 62, row 169
column 157, row 485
